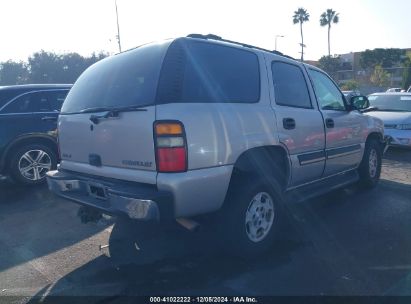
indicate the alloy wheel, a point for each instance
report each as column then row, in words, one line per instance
column 34, row 164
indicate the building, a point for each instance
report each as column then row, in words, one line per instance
column 351, row 70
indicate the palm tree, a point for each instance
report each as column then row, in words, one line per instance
column 300, row 16
column 327, row 18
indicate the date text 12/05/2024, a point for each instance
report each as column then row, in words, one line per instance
column 203, row 300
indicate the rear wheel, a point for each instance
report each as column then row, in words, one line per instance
column 31, row 162
column 370, row 167
column 251, row 216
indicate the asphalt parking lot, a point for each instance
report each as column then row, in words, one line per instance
column 349, row 242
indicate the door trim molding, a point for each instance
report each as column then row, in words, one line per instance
column 343, row 151
column 311, row 157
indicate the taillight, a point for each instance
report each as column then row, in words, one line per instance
column 171, row 149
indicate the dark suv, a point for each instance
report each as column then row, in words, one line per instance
column 28, row 123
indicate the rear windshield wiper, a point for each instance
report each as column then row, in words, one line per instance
column 110, row 112
column 110, row 109
column 115, row 109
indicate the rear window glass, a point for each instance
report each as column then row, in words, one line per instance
column 127, row 79
column 203, row 72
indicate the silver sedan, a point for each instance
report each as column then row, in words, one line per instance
column 394, row 109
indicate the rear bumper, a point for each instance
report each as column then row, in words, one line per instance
column 135, row 200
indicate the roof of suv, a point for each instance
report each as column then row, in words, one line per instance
column 213, row 37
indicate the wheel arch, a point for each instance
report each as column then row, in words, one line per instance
column 375, row 136
column 45, row 139
column 266, row 161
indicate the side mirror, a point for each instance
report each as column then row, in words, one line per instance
column 359, row 102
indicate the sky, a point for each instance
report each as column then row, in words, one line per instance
column 86, row 26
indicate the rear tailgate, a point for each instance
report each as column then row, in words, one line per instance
column 119, row 146
column 124, row 142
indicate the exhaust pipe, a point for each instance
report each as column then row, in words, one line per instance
column 189, row 224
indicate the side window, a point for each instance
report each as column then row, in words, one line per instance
column 290, row 87
column 328, row 95
column 6, row 96
column 200, row 72
column 28, row 103
column 56, row 99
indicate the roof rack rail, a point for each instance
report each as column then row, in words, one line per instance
column 218, row 38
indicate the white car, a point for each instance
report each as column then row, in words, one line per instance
column 393, row 90
column 395, row 110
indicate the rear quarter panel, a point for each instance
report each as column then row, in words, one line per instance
column 218, row 133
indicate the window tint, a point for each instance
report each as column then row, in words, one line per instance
column 28, row 103
column 56, row 99
column 126, row 79
column 7, row 95
column 289, row 85
column 328, row 95
column 203, row 72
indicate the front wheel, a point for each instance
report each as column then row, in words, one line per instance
column 370, row 167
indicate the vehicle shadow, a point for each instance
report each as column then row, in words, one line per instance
column 34, row 224
column 200, row 269
column 398, row 154
column 396, row 165
column 313, row 232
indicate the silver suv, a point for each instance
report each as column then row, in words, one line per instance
column 199, row 124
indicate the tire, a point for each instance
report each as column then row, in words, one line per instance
column 370, row 167
column 245, row 231
column 31, row 162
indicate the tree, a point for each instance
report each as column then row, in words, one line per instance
column 13, row 73
column 380, row 77
column 330, row 64
column 386, row 58
column 46, row 67
column 328, row 17
column 406, row 74
column 300, row 16
column 350, row 85
column 406, row 77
